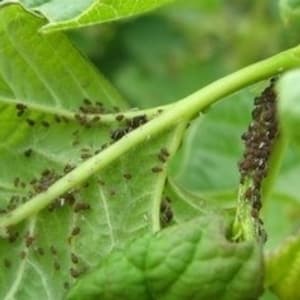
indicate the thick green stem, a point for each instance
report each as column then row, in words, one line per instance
column 183, row 110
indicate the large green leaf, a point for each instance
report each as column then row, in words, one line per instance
column 191, row 261
column 63, row 15
column 41, row 141
column 30, row 62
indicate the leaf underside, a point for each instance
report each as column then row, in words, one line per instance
column 49, row 79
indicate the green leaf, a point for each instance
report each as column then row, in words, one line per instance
column 189, row 261
column 41, row 141
column 283, row 269
column 290, row 12
column 61, row 15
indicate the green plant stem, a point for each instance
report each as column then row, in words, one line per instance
column 179, row 112
column 244, row 226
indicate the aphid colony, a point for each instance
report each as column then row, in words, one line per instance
column 258, row 141
column 49, row 176
column 131, row 124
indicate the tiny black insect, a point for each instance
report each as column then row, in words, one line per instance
column 28, row 152
column 29, row 240
column 45, row 124
column 164, row 151
column 74, row 273
column 127, row 176
column 66, row 285
column 74, row 258
column 156, row 169
column 75, row 231
column 30, row 122
column 81, row 206
column 40, row 251
column 56, row 266
column 16, row 181
column 23, row 254
column 7, row 263
column 53, row 250
column 119, row 118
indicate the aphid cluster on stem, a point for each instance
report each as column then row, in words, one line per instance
column 259, row 140
column 166, row 213
column 48, row 177
column 131, row 124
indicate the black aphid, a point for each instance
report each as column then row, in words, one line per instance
column 166, row 213
column 45, row 124
column 13, row 236
column 28, row 152
column 75, row 231
column 132, row 124
column 40, row 251
column 119, row 133
column 66, row 285
column 23, row 254
column 68, row 168
column 156, row 169
column 21, row 108
column 75, row 273
column 127, row 176
column 119, row 118
column 164, row 152
column 81, row 206
column 74, row 258
column 53, row 250
column 57, row 119
column 29, row 240
column 16, row 181
column 30, row 122
column 56, row 265
column 7, row 263
column 161, row 158
column 137, row 121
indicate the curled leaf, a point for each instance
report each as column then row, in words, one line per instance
column 194, row 260
column 283, row 269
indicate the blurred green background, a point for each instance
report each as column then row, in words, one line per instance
column 163, row 56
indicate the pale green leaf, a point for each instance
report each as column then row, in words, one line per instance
column 65, row 15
